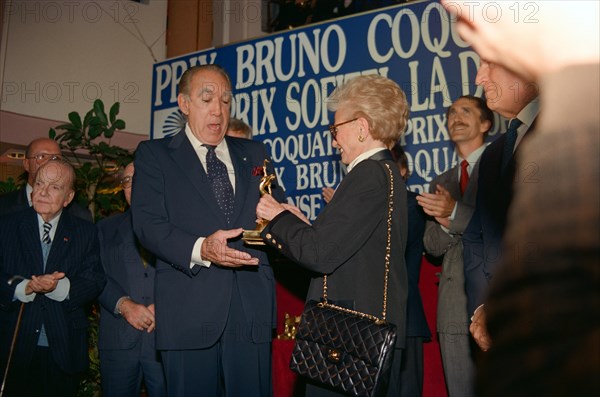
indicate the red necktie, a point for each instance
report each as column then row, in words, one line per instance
column 464, row 176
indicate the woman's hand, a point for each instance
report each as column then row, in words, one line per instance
column 296, row 211
column 268, row 208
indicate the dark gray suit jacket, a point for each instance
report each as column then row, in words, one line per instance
column 74, row 251
column 452, row 300
column 347, row 242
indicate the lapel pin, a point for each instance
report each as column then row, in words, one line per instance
column 66, row 239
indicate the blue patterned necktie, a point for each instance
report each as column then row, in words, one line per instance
column 509, row 143
column 219, row 178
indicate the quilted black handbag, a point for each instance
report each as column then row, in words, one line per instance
column 345, row 349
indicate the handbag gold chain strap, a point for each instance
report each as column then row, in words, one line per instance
column 388, row 254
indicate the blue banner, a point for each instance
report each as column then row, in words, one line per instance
column 281, row 82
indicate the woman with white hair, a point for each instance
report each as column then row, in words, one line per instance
column 347, row 241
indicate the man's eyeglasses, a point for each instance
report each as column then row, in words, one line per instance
column 43, row 157
column 333, row 128
column 126, row 181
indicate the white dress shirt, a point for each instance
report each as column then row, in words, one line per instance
column 222, row 152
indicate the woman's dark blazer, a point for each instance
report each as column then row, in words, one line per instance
column 347, row 241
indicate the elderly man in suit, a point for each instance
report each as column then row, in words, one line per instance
column 57, row 254
column 215, row 298
column 451, row 203
column 126, row 338
column 39, row 151
column 515, row 98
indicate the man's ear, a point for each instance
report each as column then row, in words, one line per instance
column 26, row 165
column 485, row 126
column 69, row 198
column 183, row 102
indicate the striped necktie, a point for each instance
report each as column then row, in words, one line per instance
column 46, row 236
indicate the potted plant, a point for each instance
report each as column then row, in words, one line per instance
column 97, row 161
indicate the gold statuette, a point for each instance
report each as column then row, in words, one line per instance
column 252, row 237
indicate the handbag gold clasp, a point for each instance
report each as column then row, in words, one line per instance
column 333, row 355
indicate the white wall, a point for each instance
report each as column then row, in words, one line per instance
column 58, row 56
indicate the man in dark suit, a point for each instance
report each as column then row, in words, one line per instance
column 192, row 195
column 516, row 99
column 38, row 152
column 126, row 338
column 451, row 203
column 58, row 256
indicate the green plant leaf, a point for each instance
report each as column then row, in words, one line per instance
column 119, row 124
column 109, row 132
column 95, row 131
column 52, row 133
column 99, row 111
column 75, row 119
column 86, row 119
column 114, row 110
column 74, row 143
column 68, row 126
column 94, row 120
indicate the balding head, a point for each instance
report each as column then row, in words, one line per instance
column 39, row 151
column 53, row 188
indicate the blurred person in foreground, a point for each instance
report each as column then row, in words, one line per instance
column 543, row 307
column 126, row 341
column 347, row 241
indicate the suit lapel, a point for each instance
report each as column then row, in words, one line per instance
column 127, row 246
column 449, row 180
column 472, row 186
column 243, row 173
column 123, row 233
column 184, row 155
column 453, row 184
column 30, row 239
column 60, row 244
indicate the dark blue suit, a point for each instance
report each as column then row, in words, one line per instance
column 482, row 239
column 75, row 252
column 126, row 354
column 174, row 205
